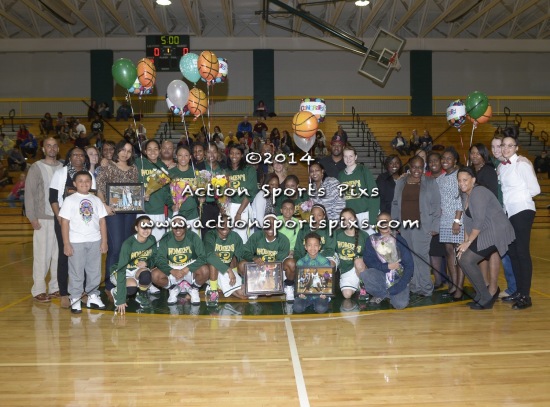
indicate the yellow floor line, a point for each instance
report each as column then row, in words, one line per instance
column 5, row 307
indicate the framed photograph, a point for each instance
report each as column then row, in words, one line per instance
column 126, row 198
column 262, row 280
column 314, row 280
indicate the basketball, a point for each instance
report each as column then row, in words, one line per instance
column 197, row 103
column 146, row 72
column 208, row 65
column 304, row 124
column 484, row 118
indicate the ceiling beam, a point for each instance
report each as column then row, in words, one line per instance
column 100, row 23
column 368, row 21
column 337, row 12
column 439, row 19
column 412, row 10
column 227, row 7
column 192, row 17
column 114, row 12
column 148, row 5
column 520, row 10
column 475, row 16
column 46, row 17
column 70, row 5
column 23, row 26
column 532, row 24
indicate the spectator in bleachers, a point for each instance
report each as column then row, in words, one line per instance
column 46, row 124
column 218, row 140
column 22, row 134
column 104, row 110
column 198, row 156
column 399, row 144
column 426, row 141
column 4, row 175
column 17, row 192
column 123, row 112
column 286, row 142
column 261, row 110
column 343, row 136
column 92, row 110
column 414, row 142
column 97, row 125
column 60, row 122
column 6, row 144
column 218, row 132
column 244, row 126
column 320, row 147
column 16, row 161
column 334, row 163
column 29, row 146
column 542, row 164
column 230, row 138
column 386, row 181
column 275, row 138
column 260, row 129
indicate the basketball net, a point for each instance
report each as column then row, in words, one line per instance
column 394, row 62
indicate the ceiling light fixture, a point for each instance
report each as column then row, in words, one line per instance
column 164, row 2
column 362, row 3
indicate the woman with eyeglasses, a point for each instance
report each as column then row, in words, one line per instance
column 519, row 186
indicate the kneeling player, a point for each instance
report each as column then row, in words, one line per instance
column 137, row 256
column 180, row 257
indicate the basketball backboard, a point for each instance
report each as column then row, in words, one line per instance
column 380, row 58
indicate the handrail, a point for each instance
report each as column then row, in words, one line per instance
column 544, row 137
column 353, row 117
column 507, row 114
column 363, row 130
column 12, row 116
column 531, row 130
column 517, row 120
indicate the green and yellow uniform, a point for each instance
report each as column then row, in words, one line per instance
column 221, row 252
column 159, row 198
column 361, row 177
column 189, row 208
column 179, row 254
column 347, row 249
column 327, row 242
column 245, row 178
column 258, row 246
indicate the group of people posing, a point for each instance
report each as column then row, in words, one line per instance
column 69, row 204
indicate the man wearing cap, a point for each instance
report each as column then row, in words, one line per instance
column 334, row 163
column 181, row 256
column 342, row 134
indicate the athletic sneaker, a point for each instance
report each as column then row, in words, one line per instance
column 195, row 298
column 76, row 307
column 252, row 297
column 184, row 287
column 376, row 300
column 153, row 289
column 95, row 302
column 173, row 295
column 113, row 294
column 289, row 292
column 212, row 297
column 363, row 295
column 142, row 300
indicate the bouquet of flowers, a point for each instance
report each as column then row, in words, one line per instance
column 156, row 181
column 176, row 189
column 305, row 209
column 220, row 183
column 202, row 178
column 387, row 251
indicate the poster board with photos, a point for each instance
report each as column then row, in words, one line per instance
column 264, row 280
column 314, row 280
column 126, row 197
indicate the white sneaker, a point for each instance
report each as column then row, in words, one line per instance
column 76, row 307
column 252, row 297
column 153, row 289
column 173, row 295
column 113, row 294
column 95, row 302
column 195, row 298
column 289, row 292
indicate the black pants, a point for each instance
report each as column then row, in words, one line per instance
column 62, row 262
column 519, row 250
column 210, row 211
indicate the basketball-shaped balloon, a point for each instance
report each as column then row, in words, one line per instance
column 208, row 65
column 304, row 124
column 146, row 72
column 197, row 103
column 484, row 118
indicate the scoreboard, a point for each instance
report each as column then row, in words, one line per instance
column 166, row 51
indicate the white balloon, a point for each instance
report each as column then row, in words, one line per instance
column 304, row 144
column 178, row 93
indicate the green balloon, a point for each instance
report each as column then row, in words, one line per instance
column 124, row 72
column 477, row 104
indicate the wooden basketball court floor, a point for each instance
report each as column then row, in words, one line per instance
column 440, row 355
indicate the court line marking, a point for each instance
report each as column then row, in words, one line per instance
column 429, row 355
column 541, row 258
column 5, row 307
column 142, row 362
column 298, row 375
column 15, row 262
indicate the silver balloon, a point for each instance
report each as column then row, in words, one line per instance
column 304, row 144
column 178, row 93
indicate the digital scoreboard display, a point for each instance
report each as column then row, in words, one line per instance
column 166, row 51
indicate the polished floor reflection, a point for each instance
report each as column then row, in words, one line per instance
column 434, row 353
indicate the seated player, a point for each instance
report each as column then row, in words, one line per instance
column 181, row 257
column 222, row 246
column 136, row 258
column 266, row 246
column 350, row 244
column 313, row 259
